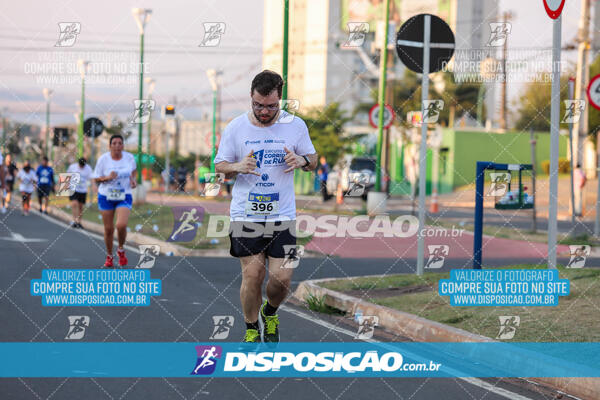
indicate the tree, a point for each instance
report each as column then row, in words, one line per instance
column 326, row 127
column 406, row 94
column 533, row 106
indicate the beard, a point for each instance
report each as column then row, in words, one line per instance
column 264, row 121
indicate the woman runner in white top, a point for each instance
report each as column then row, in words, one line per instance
column 28, row 179
column 115, row 175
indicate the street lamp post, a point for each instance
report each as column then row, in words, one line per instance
column 47, row 94
column 286, row 24
column 381, row 97
column 151, row 84
column 213, row 77
column 142, row 16
column 83, row 66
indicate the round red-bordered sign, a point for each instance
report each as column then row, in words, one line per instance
column 388, row 116
column 554, row 7
column 593, row 92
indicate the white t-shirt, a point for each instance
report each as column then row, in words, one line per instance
column 27, row 180
column 271, row 195
column 85, row 174
column 123, row 167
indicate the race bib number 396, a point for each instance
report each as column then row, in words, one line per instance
column 262, row 204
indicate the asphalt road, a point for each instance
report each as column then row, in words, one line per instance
column 194, row 289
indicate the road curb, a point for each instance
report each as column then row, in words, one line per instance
column 423, row 330
column 139, row 238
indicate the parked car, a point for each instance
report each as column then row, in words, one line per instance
column 353, row 170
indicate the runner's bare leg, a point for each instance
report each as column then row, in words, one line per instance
column 122, row 218
column 253, row 275
column 109, row 230
column 279, row 281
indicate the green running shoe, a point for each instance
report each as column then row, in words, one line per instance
column 271, row 323
column 251, row 336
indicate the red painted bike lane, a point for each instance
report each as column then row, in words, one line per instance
column 379, row 246
column 460, row 247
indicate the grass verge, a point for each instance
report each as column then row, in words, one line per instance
column 317, row 304
column 574, row 319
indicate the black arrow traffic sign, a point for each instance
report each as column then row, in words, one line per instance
column 93, row 127
column 411, row 40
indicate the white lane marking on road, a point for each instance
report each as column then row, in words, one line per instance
column 17, row 237
column 85, row 232
column 473, row 381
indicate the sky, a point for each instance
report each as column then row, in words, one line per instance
column 109, row 38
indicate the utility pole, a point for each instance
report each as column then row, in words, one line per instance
column 213, row 77
column 381, row 95
column 580, row 127
column 83, row 67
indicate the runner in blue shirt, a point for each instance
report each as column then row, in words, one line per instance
column 45, row 184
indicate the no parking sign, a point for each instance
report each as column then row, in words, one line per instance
column 593, row 92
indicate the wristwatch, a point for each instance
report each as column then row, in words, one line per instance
column 307, row 162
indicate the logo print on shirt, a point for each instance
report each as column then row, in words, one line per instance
column 258, row 155
column 264, row 183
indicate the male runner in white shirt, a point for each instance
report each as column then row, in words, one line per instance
column 263, row 147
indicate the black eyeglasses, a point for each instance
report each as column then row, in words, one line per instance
column 270, row 107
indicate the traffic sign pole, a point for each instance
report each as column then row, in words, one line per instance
column 416, row 33
column 554, row 142
column 423, row 147
column 93, row 144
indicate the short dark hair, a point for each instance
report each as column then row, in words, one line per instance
column 115, row 136
column 267, row 81
column 82, row 161
column 45, row 159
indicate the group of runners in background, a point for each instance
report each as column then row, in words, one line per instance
column 114, row 174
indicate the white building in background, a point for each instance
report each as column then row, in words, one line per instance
column 472, row 31
column 195, row 137
column 319, row 72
